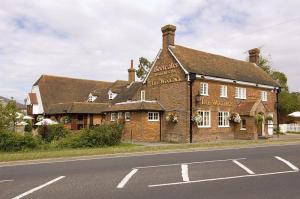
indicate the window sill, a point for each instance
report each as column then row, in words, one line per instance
column 224, row 96
column 204, row 95
column 204, row 127
column 243, row 129
column 153, row 120
column 224, row 126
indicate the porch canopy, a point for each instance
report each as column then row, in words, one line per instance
column 251, row 108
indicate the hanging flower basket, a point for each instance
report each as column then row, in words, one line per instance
column 259, row 118
column 269, row 118
column 235, row 117
column 172, row 117
column 197, row 119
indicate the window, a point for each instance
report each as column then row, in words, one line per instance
column 205, row 122
column 110, row 96
column 223, row 91
column 113, row 117
column 143, row 95
column 153, row 116
column 243, row 124
column 223, row 119
column 203, row 88
column 264, row 96
column 119, row 115
column 127, row 116
column 240, row 93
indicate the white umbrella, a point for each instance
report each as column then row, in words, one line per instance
column 46, row 121
column 22, row 123
column 27, row 117
column 295, row 114
column 18, row 115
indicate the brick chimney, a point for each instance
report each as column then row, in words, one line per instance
column 131, row 73
column 168, row 35
column 254, row 55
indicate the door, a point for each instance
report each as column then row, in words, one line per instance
column 270, row 127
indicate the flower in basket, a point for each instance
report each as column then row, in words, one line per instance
column 269, row 117
column 235, row 117
column 259, row 118
column 172, row 117
column 197, row 118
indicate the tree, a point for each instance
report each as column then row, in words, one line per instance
column 281, row 78
column 265, row 64
column 143, row 68
column 8, row 115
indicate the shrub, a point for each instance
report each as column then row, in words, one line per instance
column 10, row 141
column 103, row 135
column 52, row 132
column 28, row 127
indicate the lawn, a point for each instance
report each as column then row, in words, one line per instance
column 128, row 148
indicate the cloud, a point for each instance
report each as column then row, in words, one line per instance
column 96, row 39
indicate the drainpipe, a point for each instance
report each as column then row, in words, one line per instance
column 278, row 90
column 191, row 79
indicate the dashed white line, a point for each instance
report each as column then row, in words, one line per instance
column 126, row 178
column 216, row 179
column 185, row 172
column 287, row 163
column 37, row 188
column 244, row 167
column 6, row 181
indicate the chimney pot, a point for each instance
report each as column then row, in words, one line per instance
column 168, row 34
column 254, row 55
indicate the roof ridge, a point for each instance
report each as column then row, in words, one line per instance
column 213, row 54
column 75, row 78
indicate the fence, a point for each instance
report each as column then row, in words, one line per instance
column 289, row 127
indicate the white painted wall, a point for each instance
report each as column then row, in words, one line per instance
column 38, row 108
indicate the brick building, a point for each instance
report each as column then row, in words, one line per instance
column 187, row 95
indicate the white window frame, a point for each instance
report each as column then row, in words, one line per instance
column 127, row 116
column 203, row 114
column 153, row 116
column 264, row 96
column 223, row 119
column 224, row 91
column 143, row 95
column 240, row 93
column 120, row 114
column 204, row 89
column 113, row 117
column 243, row 128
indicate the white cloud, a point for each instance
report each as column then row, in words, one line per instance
column 96, row 39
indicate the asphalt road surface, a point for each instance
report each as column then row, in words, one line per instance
column 264, row 172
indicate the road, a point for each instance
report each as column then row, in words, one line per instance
column 264, row 172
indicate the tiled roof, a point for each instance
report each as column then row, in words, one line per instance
column 136, row 106
column 128, row 92
column 248, row 108
column 33, row 98
column 77, row 107
column 203, row 63
column 56, row 89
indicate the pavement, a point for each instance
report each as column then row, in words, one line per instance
column 263, row 172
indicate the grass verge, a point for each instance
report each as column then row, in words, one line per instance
column 126, row 148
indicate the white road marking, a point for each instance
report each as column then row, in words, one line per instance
column 38, row 188
column 5, row 181
column 244, row 167
column 216, row 179
column 287, row 163
column 209, row 161
column 185, row 172
column 126, row 178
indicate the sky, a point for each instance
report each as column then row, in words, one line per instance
column 96, row 39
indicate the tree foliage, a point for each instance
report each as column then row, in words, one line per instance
column 8, row 115
column 143, row 68
column 288, row 102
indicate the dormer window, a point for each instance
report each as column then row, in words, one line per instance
column 91, row 98
column 111, row 95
